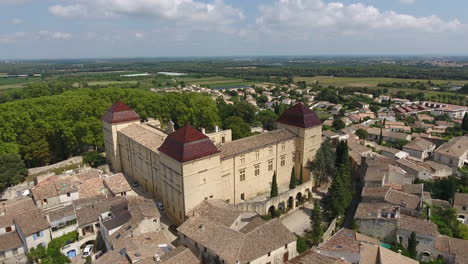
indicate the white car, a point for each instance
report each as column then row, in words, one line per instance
column 87, row 251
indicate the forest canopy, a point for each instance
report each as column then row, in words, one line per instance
column 48, row 129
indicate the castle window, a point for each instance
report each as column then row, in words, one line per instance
column 270, row 165
column 283, row 160
column 242, row 159
column 242, row 175
column 257, row 169
column 293, row 157
column 283, row 146
column 242, row 196
column 257, row 155
column 270, row 150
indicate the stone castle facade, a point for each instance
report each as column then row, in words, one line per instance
column 186, row 166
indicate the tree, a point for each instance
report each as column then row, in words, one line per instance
column 342, row 154
column 240, row 129
column 412, row 243
column 381, row 137
column 323, row 164
column 37, row 255
column 274, row 186
column 338, row 124
column 301, row 244
column 316, row 224
column 464, row 124
column 12, row 170
column 268, row 119
column 301, row 177
column 292, row 182
column 93, row 158
column 362, row 134
column 374, row 108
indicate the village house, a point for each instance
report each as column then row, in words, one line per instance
column 389, row 136
column 346, row 244
column 460, row 204
column 131, row 217
column 118, row 185
column 453, row 153
column 420, row 149
column 241, row 237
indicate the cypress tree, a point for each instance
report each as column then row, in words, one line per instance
column 292, row 182
column 464, row 124
column 274, row 186
column 412, row 243
column 316, row 220
column 301, row 177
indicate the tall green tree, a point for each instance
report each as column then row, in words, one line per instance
column 274, row 186
column 316, row 220
column 381, row 137
column 464, row 124
column 412, row 243
column 12, row 170
column 292, row 182
column 338, row 124
column 362, row 134
column 240, row 129
column 323, row 165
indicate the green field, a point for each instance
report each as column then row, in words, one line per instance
column 367, row 82
column 91, row 83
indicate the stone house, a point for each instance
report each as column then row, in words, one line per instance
column 62, row 220
column 420, row 149
column 33, row 229
column 426, row 234
column 185, row 167
column 241, row 237
column 414, row 170
column 346, row 244
column 378, row 220
column 389, row 136
column 132, row 217
column 452, row 249
column 118, row 185
column 460, row 203
column 12, row 249
column 453, row 153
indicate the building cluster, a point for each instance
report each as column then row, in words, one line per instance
column 183, row 167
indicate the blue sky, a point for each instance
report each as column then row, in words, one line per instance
column 32, row 29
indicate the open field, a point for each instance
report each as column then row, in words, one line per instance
column 111, row 82
column 367, row 82
column 11, row 86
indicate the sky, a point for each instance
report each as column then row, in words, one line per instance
column 38, row 29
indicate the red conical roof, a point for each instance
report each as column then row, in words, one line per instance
column 187, row 144
column 120, row 113
column 300, row 116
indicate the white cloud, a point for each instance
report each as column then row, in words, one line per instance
column 17, row 21
column 54, row 35
column 179, row 11
column 339, row 18
column 139, row 35
column 407, row 2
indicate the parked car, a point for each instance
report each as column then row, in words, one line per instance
column 87, row 251
column 160, row 206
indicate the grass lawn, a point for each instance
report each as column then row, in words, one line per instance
column 367, row 82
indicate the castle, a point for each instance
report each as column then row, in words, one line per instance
column 186, row 166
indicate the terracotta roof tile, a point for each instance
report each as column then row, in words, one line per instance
column 10, row 240
column 187, row 144
column 120, row 113
column 299, row 115
column 310, row 257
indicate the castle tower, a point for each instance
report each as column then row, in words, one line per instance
column 191, row 171
column 307, row 126
column 117, row 117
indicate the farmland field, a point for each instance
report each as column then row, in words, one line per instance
column 367, row 82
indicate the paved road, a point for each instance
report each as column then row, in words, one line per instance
column 298, row 221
